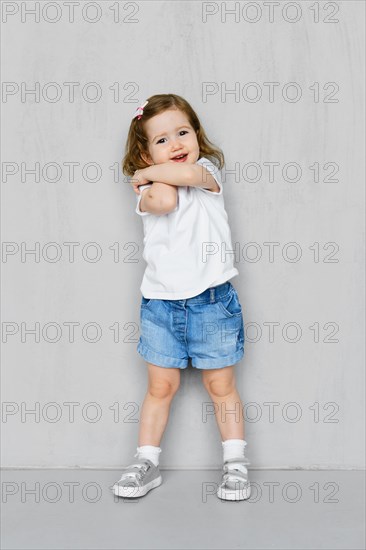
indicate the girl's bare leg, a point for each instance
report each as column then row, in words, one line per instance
column 163, row 383
column 221, row 387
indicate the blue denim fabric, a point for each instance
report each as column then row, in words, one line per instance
column 207, row 328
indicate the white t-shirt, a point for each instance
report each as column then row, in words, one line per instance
column 189, row 249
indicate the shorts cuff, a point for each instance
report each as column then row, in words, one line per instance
column 159, row 359
column 219, row 363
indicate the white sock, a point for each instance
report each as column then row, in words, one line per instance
column 234, row 448
column 150, row 452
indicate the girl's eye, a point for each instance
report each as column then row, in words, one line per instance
column 182, row 131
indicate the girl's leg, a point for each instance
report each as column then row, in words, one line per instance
column 221, row 387
column 163, row 383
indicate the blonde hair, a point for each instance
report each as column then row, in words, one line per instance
column 137, row 140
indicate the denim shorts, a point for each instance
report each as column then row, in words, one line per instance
column 207, row 328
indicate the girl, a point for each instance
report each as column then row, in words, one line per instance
column 189, row 308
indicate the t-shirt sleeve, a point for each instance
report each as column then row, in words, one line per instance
column 139, row 197
column 214, row 171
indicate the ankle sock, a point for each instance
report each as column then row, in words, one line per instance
column 234, row 448
column 150, row 452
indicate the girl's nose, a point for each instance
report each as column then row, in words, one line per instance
column 176, row 145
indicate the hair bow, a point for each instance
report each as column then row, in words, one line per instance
column 140, row 111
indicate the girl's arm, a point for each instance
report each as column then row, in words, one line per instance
column 194, row 175
column 160, row 198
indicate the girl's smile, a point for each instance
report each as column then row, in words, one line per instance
column 180, row 158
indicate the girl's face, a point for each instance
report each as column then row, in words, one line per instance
column 169, row 136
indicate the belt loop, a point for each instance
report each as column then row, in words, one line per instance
column 212, row 295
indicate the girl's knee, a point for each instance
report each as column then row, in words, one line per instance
column 162, row 389
column 220, row 388
column 163, row 383
column 219, row 384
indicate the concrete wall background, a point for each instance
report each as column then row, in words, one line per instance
column 320, row 378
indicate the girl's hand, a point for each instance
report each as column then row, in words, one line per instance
column 138, row 179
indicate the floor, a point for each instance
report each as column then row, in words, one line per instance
column 75, row 509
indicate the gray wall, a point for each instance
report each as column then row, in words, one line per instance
column 314, row 200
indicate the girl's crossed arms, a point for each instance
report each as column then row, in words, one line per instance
column 161, row 197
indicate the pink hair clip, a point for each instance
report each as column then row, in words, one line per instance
column 140, row 111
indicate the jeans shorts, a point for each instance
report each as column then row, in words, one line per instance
column 208, row 328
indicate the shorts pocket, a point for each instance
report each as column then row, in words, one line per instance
column 230, row 305
column 145, row 302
